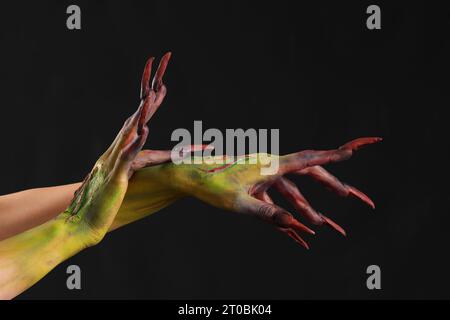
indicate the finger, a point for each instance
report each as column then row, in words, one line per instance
column 159, row 90
column 263, row 196
column 183, row 151
column 147, row 158
column 294, row 235
column 158, row 78
column 132, row 126
column 308, row 158
column 145, row 82
column 160, row 95
column 325, row 178
column 131, row 150
column 360, row 142
column 148, row 109
column 128, row 132
column 198, row 147
column 290, row 191
column 274, row 215
column 333, row 225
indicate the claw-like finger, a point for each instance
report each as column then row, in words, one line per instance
column 154, row 96
column 295, row 197
column 147, row 158
column 198, row 147
column 145, row 82
column 132, row 123
column 308, row 158
column 358, row 143
column 285, row 219
column 263, row 196
column 333, row 225
column 148, row 109
column 132, row 148
column 183, row 151
column 273, row 214
column 294, row 235
column 360, row 195
column 325, row 178
column 157, row 80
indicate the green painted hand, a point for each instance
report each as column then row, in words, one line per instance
column 239, row 186
column 27, row 257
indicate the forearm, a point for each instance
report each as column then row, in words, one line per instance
column 150, row 190
column 26, row 209
column 27, row 257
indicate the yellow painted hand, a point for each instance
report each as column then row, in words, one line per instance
column 238, row 185
column 27, row 257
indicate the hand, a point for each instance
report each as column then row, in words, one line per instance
column 241, row 188
column 28, row 256
column 97, row 201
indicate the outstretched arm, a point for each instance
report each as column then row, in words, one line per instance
column 157, row 183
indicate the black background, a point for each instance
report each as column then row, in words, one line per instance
column 313, row 70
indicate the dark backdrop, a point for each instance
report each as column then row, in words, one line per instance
column 313, row 70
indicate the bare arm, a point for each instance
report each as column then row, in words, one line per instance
column 26, row 209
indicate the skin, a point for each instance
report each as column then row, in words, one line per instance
column 241, row 188
column 28, row 256
column 21, row 211
column 127, row 184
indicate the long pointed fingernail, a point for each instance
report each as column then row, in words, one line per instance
column 157, row 79
column 360, row 195
column 334, row 225
column 301, row 227
column 358, row 143
column 145, row 82
column 299, row 240
column 304, row 244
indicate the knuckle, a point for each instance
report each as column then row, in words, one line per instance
column 267, row 212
